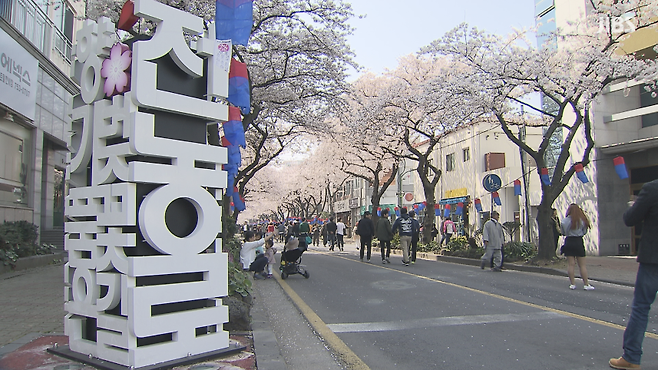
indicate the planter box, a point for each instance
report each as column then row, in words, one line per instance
column 33, row 261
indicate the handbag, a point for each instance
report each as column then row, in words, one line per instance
column 309, row 240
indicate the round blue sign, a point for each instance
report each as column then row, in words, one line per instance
column 492, row 182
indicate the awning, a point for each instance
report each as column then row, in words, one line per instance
column 454, row 200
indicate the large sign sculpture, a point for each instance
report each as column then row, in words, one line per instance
column 146, row 271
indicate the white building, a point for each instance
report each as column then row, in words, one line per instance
column 465, row 157
column 35, row 96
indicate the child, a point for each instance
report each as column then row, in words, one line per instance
column 270, row 251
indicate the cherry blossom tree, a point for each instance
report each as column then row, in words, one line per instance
column 297, row 59
column 502, row 71
column 417, row 121
column 367, row 149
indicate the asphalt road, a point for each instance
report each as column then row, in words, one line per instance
column 435, row 315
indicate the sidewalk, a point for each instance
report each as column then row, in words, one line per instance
column 31, row 318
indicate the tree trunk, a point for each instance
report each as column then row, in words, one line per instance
column 428, row 221
column 546, row 242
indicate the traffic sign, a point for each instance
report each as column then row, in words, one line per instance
column 492, row 182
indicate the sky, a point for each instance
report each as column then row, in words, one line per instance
column 393, row 29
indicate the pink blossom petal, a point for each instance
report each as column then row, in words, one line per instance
column 125, row 60
column 114, row 70
column 121, row 82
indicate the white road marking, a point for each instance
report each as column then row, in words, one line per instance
column 441, row 321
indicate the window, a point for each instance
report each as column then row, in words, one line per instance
column 646, row 100
column 63, row 19
column 467, row 154
column 450, row 162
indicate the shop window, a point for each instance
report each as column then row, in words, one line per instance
column 494, row 161
column 450, row 162
column 13, row 172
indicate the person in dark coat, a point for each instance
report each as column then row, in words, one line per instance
column 365, row 229
column 642, row 212
column 415, row 236
column 384, row 234
column 331, row 233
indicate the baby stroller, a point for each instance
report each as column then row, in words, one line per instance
column 291, row 258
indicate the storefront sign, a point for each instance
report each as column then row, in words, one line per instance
column 456, row 193
column 354, row 203
column 18, row 76
column 342, row 206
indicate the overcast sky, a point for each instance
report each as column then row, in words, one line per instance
column 393, row 29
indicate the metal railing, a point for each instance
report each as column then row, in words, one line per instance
column 34, row 24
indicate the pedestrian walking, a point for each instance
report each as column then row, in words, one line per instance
column 574, row 226
column 447, row 228
column 340, row 234
column 384, row 234
column 331, row 233
column 316, row 234
column 642, row 212
column 415, row 236
column 365, row 230
column 281, row 228
column 404, row 225
column 355, row 236
column 492, row 235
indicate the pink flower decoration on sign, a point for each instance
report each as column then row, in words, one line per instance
column 116, row 70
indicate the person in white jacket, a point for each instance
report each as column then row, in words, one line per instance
column 250, row 259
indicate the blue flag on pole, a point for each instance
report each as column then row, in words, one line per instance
column 233, row 20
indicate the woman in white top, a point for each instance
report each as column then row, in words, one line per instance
column 248, row 253
column 574, row 227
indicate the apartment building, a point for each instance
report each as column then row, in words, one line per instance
column 36, row 39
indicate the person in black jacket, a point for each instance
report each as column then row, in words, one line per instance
column 331, row 233
column 643, row 210
column 365, row 229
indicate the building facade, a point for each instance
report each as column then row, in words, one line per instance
column 35, row 100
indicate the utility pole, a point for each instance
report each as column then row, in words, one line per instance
column 522, row 136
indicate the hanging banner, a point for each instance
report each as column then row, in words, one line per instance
column 620, row 167
column 544, row 176
column 517, row 187
column 478, row 204
column 496, row 198
column 580, row 173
